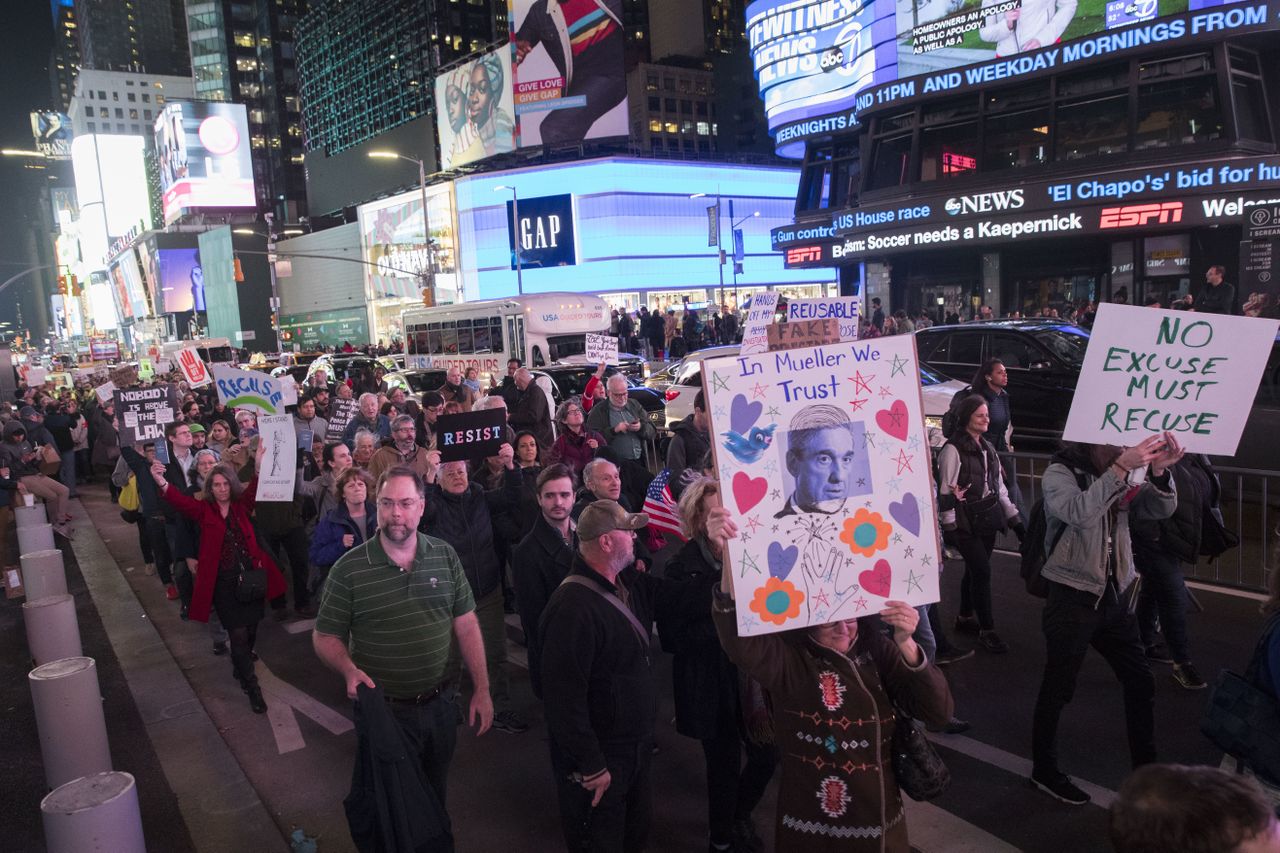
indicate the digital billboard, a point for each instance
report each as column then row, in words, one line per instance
column 130, row 288
column 474, row 112
column 174, row 277
column 52, row 133
column 204, row 156
column 394, row 251
column 570, row 83
column 111, row 189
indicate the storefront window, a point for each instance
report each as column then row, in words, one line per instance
column 1178, row 103
column 1093, row 127
column 1016, row 140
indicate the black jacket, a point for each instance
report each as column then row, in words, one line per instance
column 531, row 412
column 391, row 807
column 1179, row 534
column 688, row 446
column 1217, row 300
column 538, row 564
column 465, row 521
column 59, row 425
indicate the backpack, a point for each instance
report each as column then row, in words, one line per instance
column 951, row 418
column 1034, row 552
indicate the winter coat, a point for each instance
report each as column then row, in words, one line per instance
column 318, row 426
column 598, row 420
column 326, row 542
column 834, row 719
column 1179, row 534
column 465, row 521
column 531, row 412
column 12, row 452
column 106, row 444
column 688, row 446
column 572, row 449
column 461, row 394
column 59, row 426
column 538, row 565
column 213, row 528
column 379, row 426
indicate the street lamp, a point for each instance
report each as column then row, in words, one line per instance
column 430, row 277
column 736, row 263
column 719, row 245
column 515, row 234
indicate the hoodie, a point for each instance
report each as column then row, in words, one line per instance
column 12, row 452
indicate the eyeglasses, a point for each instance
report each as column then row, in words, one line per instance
column 406, row 505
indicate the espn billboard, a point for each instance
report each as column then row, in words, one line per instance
column 204, row 156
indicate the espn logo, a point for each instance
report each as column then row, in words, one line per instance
column 1141, row 214
column 804, row 255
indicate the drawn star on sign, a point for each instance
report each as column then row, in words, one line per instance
column 894, row 484
column 746, row 537
column 913, row 443
column 868, row 439
column 753, row 524
column 885, row 392
column 858, row 404
column 903, row 462
column 908, row 552
column 772, row 467
column 775, row 527
column 759, row 391
column 861, row 603
column 748, row 563
column 862, row 481
column 860, row 383
column 820, row 599
column 899, row 367
column 774, row 413
column 897, row 538
column 775, row 494
column 718, row 382
column 719, row 412
column 895, row 418
column 925, row 560
column 913, row 581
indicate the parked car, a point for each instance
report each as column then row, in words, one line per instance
column 339, row 367
column 569, row 380
column 416, row 381
column 1043, row 359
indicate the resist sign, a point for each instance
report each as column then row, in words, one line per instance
column 1148, row 370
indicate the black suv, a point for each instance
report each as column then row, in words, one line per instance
column 1043, row 359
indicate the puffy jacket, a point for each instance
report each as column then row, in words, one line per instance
column 465, row 521
column 326, row 543
column 688, row 445
column 1179, row 534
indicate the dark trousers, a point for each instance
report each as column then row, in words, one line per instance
column 431, row 731
column 1071, row 625
column 292, row 544
column 160, row 547
column 734, row 789
column 595, row 76
column 621, row 820
column 182, row 577
column 975, row 587
column 1163, row 594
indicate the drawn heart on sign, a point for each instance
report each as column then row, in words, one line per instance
column 743, row 415
column 893, row 420
column 748, row 491
column 782, row 560
column 877, row 581
column 907, row 513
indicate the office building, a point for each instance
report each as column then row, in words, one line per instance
column 64, row 59
column 122, row 102
column 672, row 107
column 140, row 35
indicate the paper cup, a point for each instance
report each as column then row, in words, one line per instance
column 29, row 499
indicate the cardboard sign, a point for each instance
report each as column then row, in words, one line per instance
column 754, row 337
column 124, row 376
column 105, row 391
column 279, row 463
column 143, row 412
column 193, row 368
column 59, row 380
column 1148, row 370
column 823, row 460
column 845, row 309
column 602, row 349
column 146, row 370
column 470, row 435
column 248, row 389
column 340, row 414
column 36, row 376
column 803, row 333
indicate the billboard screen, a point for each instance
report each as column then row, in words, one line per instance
column 203, row 149
column 111, row 190
column 570, row 83
column 52, row 132
column 474, row 112
column 174, row 277
column 394, row 251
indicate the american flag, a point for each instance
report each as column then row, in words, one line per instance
column 661, row 507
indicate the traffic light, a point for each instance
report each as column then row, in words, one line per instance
column 62, row 285
column 75, row 285
column 428, row 298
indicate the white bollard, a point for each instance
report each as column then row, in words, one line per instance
column 69, row 719
column 35, row 537
column 52, row 630
column 27, row 515
column 43, row 574
column 94, row 814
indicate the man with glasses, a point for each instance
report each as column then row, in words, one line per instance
column 403, row 451
column 432, row 408
column 389, row 614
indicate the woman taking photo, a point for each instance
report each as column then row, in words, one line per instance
column 229, row 555
column 973, row 507
column 575, row 445
column 839, row 793
column 348, row 525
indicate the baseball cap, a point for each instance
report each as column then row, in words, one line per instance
column 197, row 428
column 601, row 517
column 27, row 412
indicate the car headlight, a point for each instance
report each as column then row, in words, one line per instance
column 932, row 422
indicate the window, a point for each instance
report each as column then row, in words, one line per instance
column 670, row 127
column 830, row 176
column 655, row 126
column 1014, row 353
column 102, row 96
column 655, row 104
column 704, row 128
column 651, row 82
column 115, row 96
column 671, row 105
column 93, row 127
column 890, row 162
column 128, row 82
column 119, row 112
column 146, row 98
column 1015, row 140
column 959, row 348
column 133, row 114
column 1093, row 127
column 146, row 114
column 1248, row 96
column 132, row 96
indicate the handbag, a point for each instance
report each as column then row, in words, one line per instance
column 1243, row 720
column 251, row 580
column 985, row 515
column 920, row 771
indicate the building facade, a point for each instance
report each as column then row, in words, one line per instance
column 142, row 35
column 122, row 102
column 64, row 59
column 673, row 107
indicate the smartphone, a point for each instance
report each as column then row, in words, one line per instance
column 162, row 452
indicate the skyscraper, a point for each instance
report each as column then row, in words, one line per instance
column 133, row 35
column 64, row 59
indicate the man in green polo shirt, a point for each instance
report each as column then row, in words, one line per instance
column 385, row 619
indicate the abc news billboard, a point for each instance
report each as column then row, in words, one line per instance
column 204, row 156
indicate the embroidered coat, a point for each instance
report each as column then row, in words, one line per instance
column 833, row 720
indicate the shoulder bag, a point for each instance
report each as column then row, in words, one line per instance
column 251, row 580
column 920, row 771
column 1242, row 719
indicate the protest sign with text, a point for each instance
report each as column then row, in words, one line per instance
column 823, row 460
column 842, row 308
column 249, row 389
column 144, row 412
column 759, row 316
column 106, row 391
column 1148, row 370
column 340, row 414
column 602, row 349
column 279, row 461
column 799, row 334
column 470, row 435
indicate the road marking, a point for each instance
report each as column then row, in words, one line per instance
column 283, row 700
column 935, row 829
column 1014, row 764
column 1224, row 590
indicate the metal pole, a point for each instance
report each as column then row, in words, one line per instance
column 35, row 537
column 43, row 574
column 69, row 719
column 426, row 228
column 52, row 631
column 719, row 245
column 515, row 233
column 96, row 812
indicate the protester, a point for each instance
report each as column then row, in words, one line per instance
column 10, row 491
column 473, row 382
column 60, row 422
column 349, row 525
column 106, row 443
column 366, row 444
column 622, row 421
column 454, row 389
column 151, row 508
column 206, row 460
column 403, row 450
column 690, row 441
column 1217, row 296
column 308, row 420
column 432, row 408
column 530, row 410
column 594, row 391
column 219, row 437
column 367, row 418
column 182, row 544
column 575, row 445
column 21, row 458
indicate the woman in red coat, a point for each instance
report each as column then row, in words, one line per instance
column 226, row 542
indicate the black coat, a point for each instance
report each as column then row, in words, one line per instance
column 391, row 807
column 465, row 521
column 1179, row 534
column 688, row 446
column 531, row 412
column 538, row 564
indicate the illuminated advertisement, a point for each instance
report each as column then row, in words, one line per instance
column 474, row 112
column 52, row 133
column 111, row 189
column 130, row 290
column 172, row 271
column 204, row 157
column 394, row 251
column 545, row 230
column 570, row 83
column 323, row 328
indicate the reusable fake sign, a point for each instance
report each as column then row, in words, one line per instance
column 823, row 460
column 801, row 334
column 470, row 435
column 842, row 308
column 1148, row 370
column 760, row 315
column 275, row 479
column 602, row 349
column 248, row 389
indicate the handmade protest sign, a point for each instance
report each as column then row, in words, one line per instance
column 279, row 462
column 602, row 349
column 106, row 391
column 754, row 336
column 470, row 435
column 248, row 389
column 823, row 460
column 845, row 309
column 36, row 376
column 1148, row 370
column 340, row 414
column 146, row 370
column 800, row 334
column 193, row 367
column 143, row 412
column 124, row 376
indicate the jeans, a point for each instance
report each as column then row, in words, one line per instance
column 621, row 820
column 292, row 544
column 975, row 587
column 1071, row 625
column 431, row 732
column 67, row 473
column 734, row 789
column 493, row 630
column 924, row 633
column 1163, row 594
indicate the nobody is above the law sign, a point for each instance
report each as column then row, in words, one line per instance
column 1148, row 370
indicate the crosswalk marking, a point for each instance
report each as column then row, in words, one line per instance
column 283, row 699
column 932, row 829
column 1014, row 764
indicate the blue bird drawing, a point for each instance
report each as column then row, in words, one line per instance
column 749, row 448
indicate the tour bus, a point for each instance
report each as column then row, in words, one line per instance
column 540, row 330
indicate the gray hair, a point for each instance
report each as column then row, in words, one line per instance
column 489, row 401
column 589, row 470
column 621, row 379
column 562, row 411
column 810, row 421
column 362, row 433
column 373, row 397
column 401, row 420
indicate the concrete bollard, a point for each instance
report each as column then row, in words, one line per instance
column 35, row 537
column 94, row 814
column 28, row 515
column 52, row 630
column 43, row 574
column 69, row 719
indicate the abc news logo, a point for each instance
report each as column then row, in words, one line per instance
column 1129, row 216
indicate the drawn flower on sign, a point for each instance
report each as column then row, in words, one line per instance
column 866, row 533
column 777, row 601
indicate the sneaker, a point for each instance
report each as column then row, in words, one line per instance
column 149, row 570
column 952, row 655
column 1187, row 677
column 1060, row 787
column 220, row 648
column 171, row 592
column 509, row 722
column 1159, row 653
column 967, row 624
column 991, row 641
column 256, row 702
